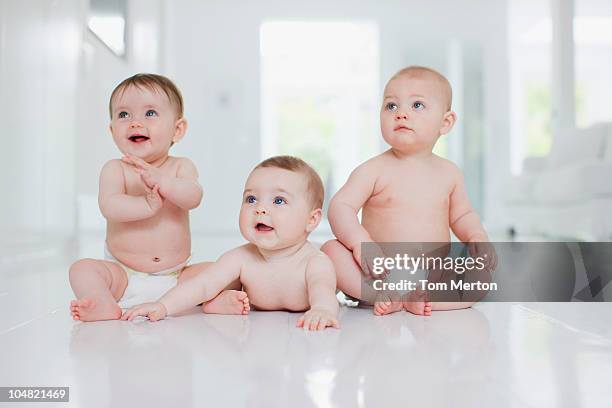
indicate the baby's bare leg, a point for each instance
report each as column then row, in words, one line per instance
column 348, row 272
column 232, row 300
column 97, row 285
column 350, row 280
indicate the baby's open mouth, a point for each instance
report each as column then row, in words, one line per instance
column 138, row 138
column 263, row 227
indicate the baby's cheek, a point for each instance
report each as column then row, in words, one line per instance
column 243, row 221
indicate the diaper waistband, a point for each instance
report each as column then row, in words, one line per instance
column 174, row 270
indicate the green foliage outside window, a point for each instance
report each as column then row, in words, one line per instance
column 307, row 131
column 539, row 131
column 539, row 136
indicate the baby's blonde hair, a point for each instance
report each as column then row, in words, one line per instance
column 152, row 82
column 417, row 71
column 315, row 185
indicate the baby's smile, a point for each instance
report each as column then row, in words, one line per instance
column 138, row 138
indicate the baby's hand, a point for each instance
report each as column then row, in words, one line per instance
column 317, row 319
column 150, row 175
column 154, row 200
column 154, row 311
column 374, row 251
column 484, row 250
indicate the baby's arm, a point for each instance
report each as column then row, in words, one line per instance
column 464, row 221
column 345, row 206
column 201, row 288
column 466, row 225
column 321, row 286
column 183, row 190
column 118, row 206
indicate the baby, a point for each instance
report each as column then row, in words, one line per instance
column 279, row 269
column 407, row 194
column 145, row 198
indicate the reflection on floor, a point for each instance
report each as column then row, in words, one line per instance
column 503, row 354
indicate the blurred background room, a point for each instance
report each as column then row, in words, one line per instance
column 259, row 78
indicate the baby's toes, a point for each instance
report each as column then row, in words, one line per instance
column 380, row 308
column 246, row 305
column 376, row 309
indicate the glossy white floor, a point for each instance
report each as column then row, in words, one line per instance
column 503, row 355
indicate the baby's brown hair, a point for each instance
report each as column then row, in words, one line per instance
column 153, row 82
column 315, row 185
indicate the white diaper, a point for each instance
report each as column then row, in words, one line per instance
column 146, row 287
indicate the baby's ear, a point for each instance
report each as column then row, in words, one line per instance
column 314, row 220
column 180, row 128
column 448, row 122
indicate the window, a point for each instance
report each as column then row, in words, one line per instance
column 530, row 33
column 593, row 53
column 530, row 37
column 320, row 94
column 107, row 20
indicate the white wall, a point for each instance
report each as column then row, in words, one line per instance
column 212, row 51
column 39, row 49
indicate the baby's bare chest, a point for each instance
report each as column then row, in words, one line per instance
column 411, row 190
column 278, row 286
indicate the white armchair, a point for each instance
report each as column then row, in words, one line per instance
column 567, row 194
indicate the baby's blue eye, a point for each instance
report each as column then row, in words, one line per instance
column 250, row 199
column 418, row 105
column 391, row 106
column 122, row 115
column 150, row 113
column 279, row 201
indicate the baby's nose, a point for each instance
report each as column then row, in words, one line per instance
column 401, row 116
column 135, row 124
column 260, row 211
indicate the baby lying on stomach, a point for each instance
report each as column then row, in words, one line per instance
column 279, row 269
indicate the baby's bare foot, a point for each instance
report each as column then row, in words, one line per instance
column 89, row 310
column 384, row 304
column 229, row 302
column 417, row 303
